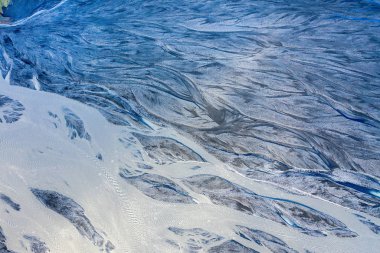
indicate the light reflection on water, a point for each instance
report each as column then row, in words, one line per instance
column 266, row 86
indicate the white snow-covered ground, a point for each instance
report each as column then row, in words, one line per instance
column 36, row 151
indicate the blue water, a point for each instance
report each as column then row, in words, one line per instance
column 294, row 84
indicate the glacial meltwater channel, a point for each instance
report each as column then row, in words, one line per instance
column 190, row 126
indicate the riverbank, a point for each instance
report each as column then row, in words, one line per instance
column 5, row 4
